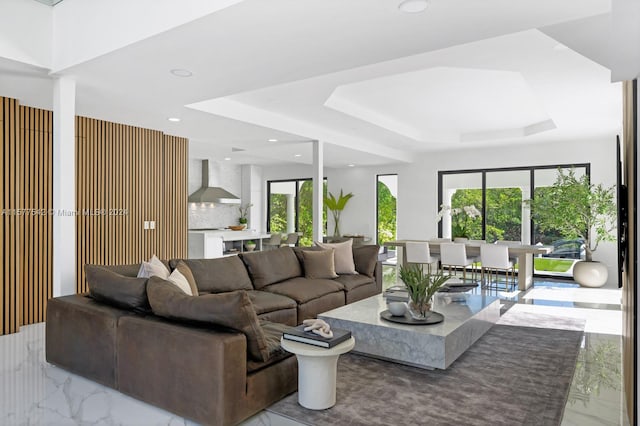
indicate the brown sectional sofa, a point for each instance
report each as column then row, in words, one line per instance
column 199, row 370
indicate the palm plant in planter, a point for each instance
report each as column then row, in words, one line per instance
column 579, row 210
column 421, row 287
column 337, row 205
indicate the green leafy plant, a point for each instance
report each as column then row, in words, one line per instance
column 421, row 286
column 250, row 243
column 577, row 209
column 336, row 206
column 244, row 212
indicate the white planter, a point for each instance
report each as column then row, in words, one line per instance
column 590, row 274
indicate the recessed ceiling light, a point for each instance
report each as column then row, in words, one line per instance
column 273, row 140
column 174, row 119
column 297, row 155
column 178, row 72
column 227, row 158
column 413, row 6
column 351, row 165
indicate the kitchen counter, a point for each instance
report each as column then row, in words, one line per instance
column 212, row 243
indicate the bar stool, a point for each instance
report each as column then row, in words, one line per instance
column 455, row 255
column 495, row 257
column 418, row 252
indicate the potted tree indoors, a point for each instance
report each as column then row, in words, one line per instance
column 421, row 287
column 578, row 210
column 337, row 205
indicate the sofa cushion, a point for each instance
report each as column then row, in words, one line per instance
column 264, row 301
column 303, row 289
column 272, row 266
column 115, row 289
column 319, row 264
column 353, row 281
column 154, row 267
column 217, row 275
column 130, row 270
column 272, row 333
column 365, row 259
column 186, row 272
column 232, row 310
column 343, row 256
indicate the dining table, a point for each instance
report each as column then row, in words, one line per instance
column 523, row 252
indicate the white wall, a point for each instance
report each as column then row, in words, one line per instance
column 418, row 184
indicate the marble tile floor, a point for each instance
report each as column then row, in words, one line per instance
column 33, row 392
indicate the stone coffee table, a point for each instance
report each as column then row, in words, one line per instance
column 424, row 346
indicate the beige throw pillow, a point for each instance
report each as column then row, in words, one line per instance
column 153, row 268
column 179, row 280
column 319, row 264
column 343, row 255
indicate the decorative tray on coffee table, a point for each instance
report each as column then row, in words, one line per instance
column 434, row 318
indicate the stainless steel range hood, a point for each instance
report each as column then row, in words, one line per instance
column 211, row 194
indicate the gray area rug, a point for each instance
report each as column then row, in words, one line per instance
column 511, row 376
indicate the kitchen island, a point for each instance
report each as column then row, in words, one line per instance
column 212, row 243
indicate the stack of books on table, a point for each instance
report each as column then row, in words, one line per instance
column 396, row 294
column 298, row 334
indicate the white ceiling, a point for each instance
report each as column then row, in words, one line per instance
column 376, row 84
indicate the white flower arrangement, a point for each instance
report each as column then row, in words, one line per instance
column 461, row 218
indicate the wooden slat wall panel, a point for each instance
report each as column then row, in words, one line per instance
column 10, row 304
column 140, row 171
column 36, row 197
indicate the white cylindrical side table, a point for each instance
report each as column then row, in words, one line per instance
column 317, row 369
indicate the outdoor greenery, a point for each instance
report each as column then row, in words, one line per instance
column 552, row 265
column 504, row 212
column 576, row 208
column 336, row 205
column 386, row 214
column 278, row 213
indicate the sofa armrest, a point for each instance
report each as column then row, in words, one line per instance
column 377, row 276
column 81, row 337
column 196, row 372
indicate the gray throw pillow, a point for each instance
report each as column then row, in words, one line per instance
column 232, row 310
column 186, row 272
column 110, row 287
column 319, row 264
column 365, row 259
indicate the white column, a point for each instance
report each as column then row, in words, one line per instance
column 252, row 194
column 318, row 176
column 64, row 187
column 526, row 217
column 291, row 213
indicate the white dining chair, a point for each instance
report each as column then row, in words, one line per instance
column 494, row 258
column 454, row 255
column 510, row 243
column 418, row 252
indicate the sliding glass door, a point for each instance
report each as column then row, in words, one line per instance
column 498, row 195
